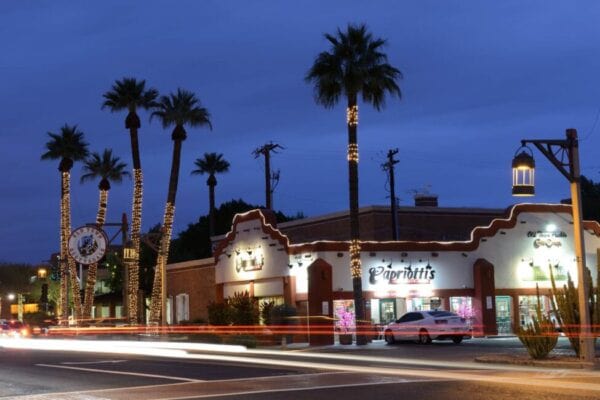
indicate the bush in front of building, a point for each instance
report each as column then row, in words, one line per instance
column 219, row 313
column 244, row 309
column 283, row 316
column 539, row 336
column 266, row 307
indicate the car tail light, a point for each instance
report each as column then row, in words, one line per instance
column 441, row 321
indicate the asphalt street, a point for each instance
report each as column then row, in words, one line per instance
column 377, row 371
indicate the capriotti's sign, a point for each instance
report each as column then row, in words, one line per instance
column 405, row 275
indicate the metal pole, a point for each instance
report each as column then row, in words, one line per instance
column 586, row 343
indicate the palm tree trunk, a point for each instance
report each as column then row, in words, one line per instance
column 159, row 288
column 355, row 265
column 66, row 233
column 90, row 282
column 63, row 302
column 136, row 224
column 211, row 212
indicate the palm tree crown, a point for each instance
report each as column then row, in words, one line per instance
column 130, row 94
column 354, row 64
column 68, row 146
column 179, row 109
column 211, row 164
column 106, row 167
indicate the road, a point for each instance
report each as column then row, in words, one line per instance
column 378, row 371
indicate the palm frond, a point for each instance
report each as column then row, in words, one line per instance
column 68, row 144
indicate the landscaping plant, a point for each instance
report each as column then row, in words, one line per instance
column 539, row 336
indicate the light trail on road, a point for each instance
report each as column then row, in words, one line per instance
column 527, row 376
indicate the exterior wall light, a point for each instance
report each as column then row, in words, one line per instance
column 523, row 167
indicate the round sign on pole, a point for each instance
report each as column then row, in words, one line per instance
column 87, row 244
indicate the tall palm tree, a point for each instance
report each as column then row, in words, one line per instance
column 176, row 110
column 211, row 164
column 107, row 168
column 354, row 65
column 130, row 94
column 68, row 146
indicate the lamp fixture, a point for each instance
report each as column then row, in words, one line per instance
column 523, row 166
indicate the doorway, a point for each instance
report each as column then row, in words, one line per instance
column 387, row 310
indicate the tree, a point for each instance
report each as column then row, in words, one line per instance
column 68, row 146
column 355, row 65
column 211, row 164
column 130, row 94
column 177, row 110
column 107, row 168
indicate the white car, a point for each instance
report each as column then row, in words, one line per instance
column 425, row 326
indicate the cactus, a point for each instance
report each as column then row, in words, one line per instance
column 565, row 303
column 539, row 336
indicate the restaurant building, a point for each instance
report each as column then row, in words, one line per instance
column 489, row 278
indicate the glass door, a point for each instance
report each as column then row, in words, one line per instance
column 503, row 317
column 387, row 310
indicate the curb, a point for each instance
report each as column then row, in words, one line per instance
column 549, row 363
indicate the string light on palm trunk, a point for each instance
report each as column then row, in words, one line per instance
column 158, row 297
column 133, row 265
column 353, row 152
column 355, row 265
column 352, row 115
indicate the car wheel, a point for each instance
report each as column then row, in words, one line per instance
column 389, row 337
column 457, row 339
column 424, row 337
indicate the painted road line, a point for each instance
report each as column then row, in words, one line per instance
column 92, row 362
column 174, row 378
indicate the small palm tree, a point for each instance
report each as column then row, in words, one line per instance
column 354, row 65
column 211, row 164
column 107, row 168
column 176, row 110
column 68, row 146
column 131, row 94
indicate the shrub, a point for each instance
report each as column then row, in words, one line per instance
column 219, row 313
column 265, row 311
column 244, row 309
column 539, row 336
column 284, row 315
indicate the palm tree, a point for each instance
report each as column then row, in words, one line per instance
column 211, row 164
column 177, row 110
column 355, row 65
column 68, row 146
column 130, row 94
column 107, row 168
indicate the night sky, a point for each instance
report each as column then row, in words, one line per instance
column 478, row 77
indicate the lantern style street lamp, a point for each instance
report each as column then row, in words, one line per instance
column 523, row 166
column 564, row 155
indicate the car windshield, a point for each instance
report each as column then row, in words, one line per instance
column 441, row 314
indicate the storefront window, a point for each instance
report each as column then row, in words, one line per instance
column 503, row 314
column 421, row 303
column 343, row 313
column 463, row 306
column 527, row 308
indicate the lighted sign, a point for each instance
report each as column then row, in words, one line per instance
column 87, row 244
column 249, row 261
column 406, row 275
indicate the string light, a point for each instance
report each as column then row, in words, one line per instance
column 72, row 268
column 90, row 282
column 353, row 152
column 134, row 265
column 355, row 265
column 158, row 289
column 352, row 115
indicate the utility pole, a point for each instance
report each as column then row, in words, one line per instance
column 388, row 166
column 271, row 180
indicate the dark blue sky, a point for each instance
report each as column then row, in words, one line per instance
column 478, row 77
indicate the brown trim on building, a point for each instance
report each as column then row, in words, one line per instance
column 249, row 216
column 478, row 233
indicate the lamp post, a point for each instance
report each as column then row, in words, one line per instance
column 42, row 274
column 564, row 155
